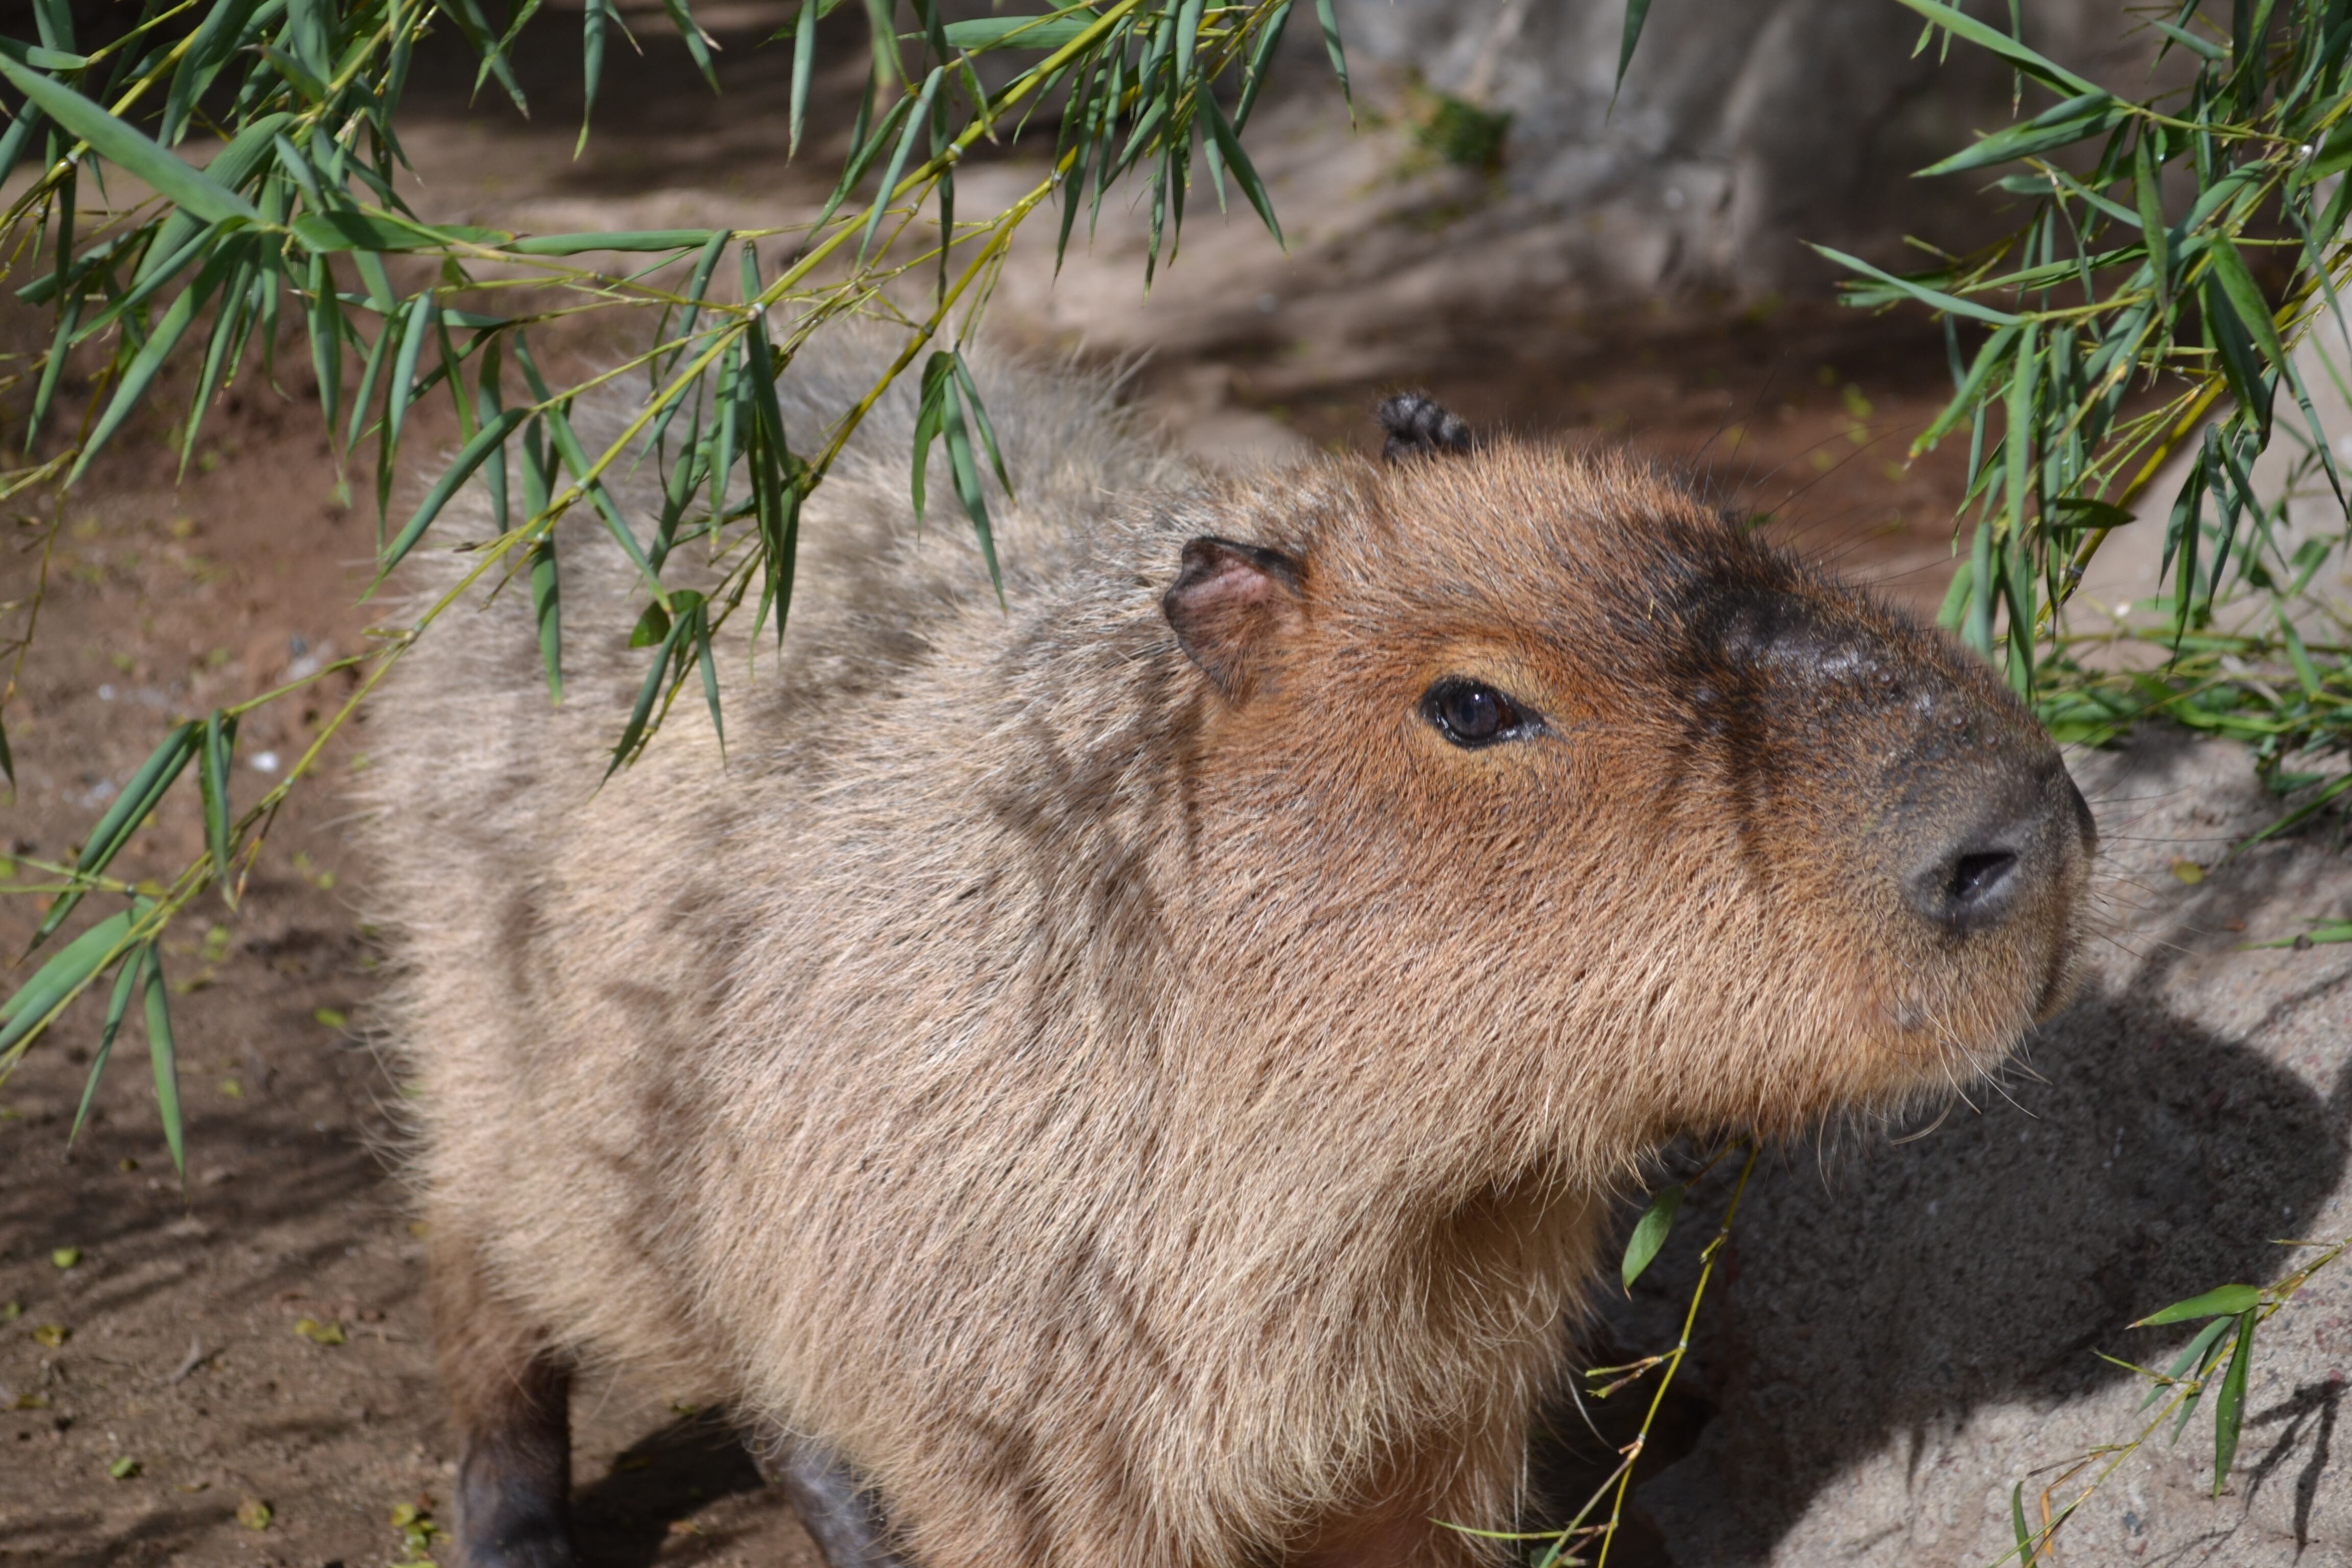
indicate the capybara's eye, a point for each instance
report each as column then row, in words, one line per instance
column 1469, row 713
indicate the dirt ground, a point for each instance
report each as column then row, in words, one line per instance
column 241, row 1374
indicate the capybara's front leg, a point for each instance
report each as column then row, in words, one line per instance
column 510, row 1399
column 841, row 1516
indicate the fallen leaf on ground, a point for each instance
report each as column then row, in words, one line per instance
column 255, row 1514
column 52, row 1334
column 318, row 1333
column 66, row 1257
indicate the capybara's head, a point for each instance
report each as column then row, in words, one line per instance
column 1544, row 773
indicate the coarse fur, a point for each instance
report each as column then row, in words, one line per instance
column 1115, row 1074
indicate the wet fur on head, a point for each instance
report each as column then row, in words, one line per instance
column 1118, row 1075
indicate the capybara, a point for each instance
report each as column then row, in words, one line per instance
column 1140, row 1073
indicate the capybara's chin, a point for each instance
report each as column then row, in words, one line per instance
column 1141, row 1076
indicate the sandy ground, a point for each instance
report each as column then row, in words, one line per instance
column 241, row 1374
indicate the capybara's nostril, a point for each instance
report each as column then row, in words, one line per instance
column 1972, row 880
column 1978, row 878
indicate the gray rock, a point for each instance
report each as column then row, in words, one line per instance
column 1744, row 128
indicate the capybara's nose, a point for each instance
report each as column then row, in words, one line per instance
column 2013, row 828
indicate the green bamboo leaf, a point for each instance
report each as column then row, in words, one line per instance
column 888, row 69
column 1330, row 25
column 1962, row 25
column 2149, row 190
column 929, row 407
column 698, row 42
column 164, row 1054
column 414, row 334
column 2230, row 1409
column 633, row 733
column 575, row 458
column 2228, row 1300
column 21, row 128
column 1637, row 12
column 120, row 144
column 1244, row 175
column 703, row 657
column 1269, row 39
column 1048, row 30
column 68, row 970
column 2191, row 1356
column 384, row 339
column 298, row 76
column 1931, row 298
column 979, row 413
column 2093, row 114
column 595, row 15
column 2234, row 347
column 212, row 779
column 546, row 612
column 2211, row 52
column 966, row 473
column 116, row 1006
column 491, row 437
column 618, row 240
column 2017, row 1522
column 2297, row 817
column 339, row 229
column 144, row 365
column 2305, row 674
column 652, row 628
column 53, row 365
column 898, row 165
column 219, row 33
column 324, row 319
column 803, row 74
column 139, row 796
column 1650, row 1232
column 226, row 345
column 2246, row 296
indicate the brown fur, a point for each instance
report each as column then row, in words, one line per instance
column 1133, row 1116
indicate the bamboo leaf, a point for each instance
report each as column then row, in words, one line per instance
column 1650, row 1232
column 2227, row 1301
column 163, row 1055
column 916, row 122
column 1931, row 298
column 1962, row 25
column 1637, row 12
column 121, row 144
column 116, row 1006
column 212, row 779
column 1330, row 26
column 546, row 613
column 2228, row 1410
column 803, row 73
column 491, row 438
column 68, row 970
column 139, row 796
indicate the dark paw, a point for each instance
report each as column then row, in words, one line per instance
column 1419, row 427
column 528, row 1548
column 513, row 1516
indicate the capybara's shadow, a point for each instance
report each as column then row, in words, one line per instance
column 1880, row 1293
column 624, row 1519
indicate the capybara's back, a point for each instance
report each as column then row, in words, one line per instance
column 1138, row 1075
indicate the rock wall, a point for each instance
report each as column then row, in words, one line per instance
column 1745, row 126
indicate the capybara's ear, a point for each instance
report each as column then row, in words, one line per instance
column 1230, row 604
column 1418, row 426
